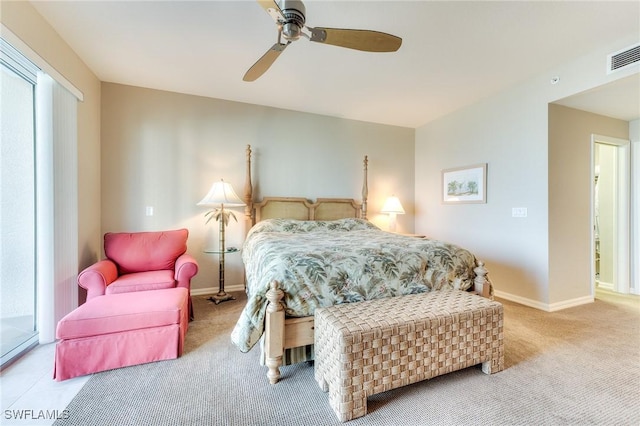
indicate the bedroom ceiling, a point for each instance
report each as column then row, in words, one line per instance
column 453, row 53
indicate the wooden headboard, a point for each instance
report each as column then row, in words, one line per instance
column 302, row 208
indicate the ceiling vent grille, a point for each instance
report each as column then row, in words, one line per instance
column 623, row 58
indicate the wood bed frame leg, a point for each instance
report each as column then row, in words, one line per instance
column 274, row 332
column 480, row 283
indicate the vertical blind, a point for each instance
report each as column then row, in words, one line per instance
column 57, row 181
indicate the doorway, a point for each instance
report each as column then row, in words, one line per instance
column 610, row 214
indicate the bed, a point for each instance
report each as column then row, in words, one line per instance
column 300, row 255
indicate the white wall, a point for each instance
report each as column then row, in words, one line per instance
column 164, row 150
column 508, row 131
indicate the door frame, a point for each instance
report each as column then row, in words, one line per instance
column 621, row 275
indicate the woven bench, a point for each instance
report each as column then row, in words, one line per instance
column 370, row 347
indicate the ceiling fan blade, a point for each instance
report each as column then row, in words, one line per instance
column 263, row 64
column 272, row 8
column 366, row 40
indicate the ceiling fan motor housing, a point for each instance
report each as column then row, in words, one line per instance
column 294, row 15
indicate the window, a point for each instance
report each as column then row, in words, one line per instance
column 17, row 203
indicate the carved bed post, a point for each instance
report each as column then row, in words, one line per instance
column 365, row 189
column 480, row 283
column 248, row 192
column 274, row 329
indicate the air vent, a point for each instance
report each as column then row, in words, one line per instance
column 623, row 58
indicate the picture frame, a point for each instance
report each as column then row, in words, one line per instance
column 465, row 185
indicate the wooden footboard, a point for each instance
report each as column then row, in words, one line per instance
column 283, row 333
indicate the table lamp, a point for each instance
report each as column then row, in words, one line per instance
column 392, row 207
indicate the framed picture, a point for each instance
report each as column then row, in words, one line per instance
column 465, row 184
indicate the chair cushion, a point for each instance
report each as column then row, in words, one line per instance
column 142, row 281
column 123, row 312
column 145, row 251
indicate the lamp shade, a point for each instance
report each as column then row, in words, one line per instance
column 221, row 193
column 392, row 205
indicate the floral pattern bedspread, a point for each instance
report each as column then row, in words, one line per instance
column 323, row 263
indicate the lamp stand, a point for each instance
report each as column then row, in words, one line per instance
column 221, row 296
column 392, row 222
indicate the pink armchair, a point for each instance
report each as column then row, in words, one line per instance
column 141, row 261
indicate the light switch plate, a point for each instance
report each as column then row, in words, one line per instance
column 519, row 212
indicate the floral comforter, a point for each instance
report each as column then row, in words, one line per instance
column 323, row 263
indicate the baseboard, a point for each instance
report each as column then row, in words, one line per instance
column 605, row 286
column 522, row 300
column 213, row 290
column 544, row 306
column 571, row 303
column 501, row 294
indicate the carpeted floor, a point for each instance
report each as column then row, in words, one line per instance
column 579, row 366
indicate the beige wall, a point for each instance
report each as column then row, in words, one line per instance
column 24, row 22
column 164, row 150
column 509, row 132
column 510, row 136
column 570, row 186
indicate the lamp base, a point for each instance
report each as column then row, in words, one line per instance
column 221, row 297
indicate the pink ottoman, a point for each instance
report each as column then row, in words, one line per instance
column 119, row 330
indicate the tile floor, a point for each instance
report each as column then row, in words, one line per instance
column 30, row 396
column 15, row 330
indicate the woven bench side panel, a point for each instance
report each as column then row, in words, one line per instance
column 326, row 347
column 370, row 347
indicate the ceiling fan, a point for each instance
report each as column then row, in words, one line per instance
column 289, row 16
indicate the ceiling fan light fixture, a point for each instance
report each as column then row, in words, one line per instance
column 293, row 12
column 291, row 31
